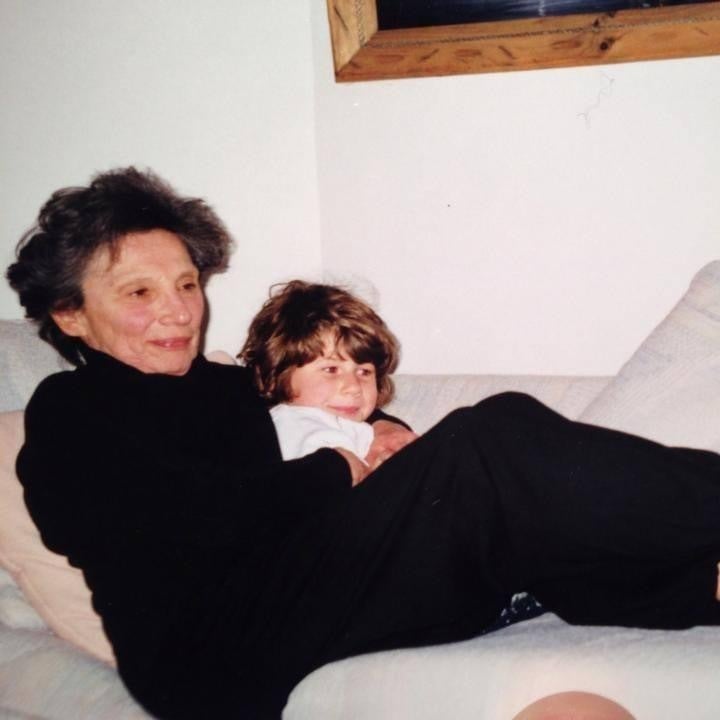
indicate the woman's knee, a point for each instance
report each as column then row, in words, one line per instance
column 508, row 414
column 510, row 407
column 510, row 400
column 491, row 412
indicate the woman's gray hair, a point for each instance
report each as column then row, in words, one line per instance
column 78, row 221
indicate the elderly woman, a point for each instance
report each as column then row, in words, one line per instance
column 224, row 575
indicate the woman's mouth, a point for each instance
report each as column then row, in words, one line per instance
column 175, row 343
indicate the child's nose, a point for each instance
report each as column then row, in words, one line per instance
column 351, row 384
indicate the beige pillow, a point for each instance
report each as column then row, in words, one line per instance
column 55, row 589
column 669, row 390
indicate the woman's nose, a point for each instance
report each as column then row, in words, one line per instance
column 175, row 310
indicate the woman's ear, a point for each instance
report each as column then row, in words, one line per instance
column 71, row 322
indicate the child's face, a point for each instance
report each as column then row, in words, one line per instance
column 335, row 383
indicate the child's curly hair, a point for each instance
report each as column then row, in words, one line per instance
column 289, row 330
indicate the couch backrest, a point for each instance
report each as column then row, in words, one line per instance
column 421, row 400
column 24, row 361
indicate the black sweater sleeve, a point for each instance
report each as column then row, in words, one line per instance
column 94, row 478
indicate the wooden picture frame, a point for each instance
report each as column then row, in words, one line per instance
column 362, row 52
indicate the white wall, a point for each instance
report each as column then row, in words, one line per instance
column 215, row 96
column 521, row 222
column 537, row 221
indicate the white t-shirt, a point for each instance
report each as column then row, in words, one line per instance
column 302, row 430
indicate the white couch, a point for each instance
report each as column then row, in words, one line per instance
column 668, row 390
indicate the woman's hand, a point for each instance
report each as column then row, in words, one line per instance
column 389, row 438
column 358, row 469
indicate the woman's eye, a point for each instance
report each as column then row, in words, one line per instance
column 189, row 286
column 139, row 292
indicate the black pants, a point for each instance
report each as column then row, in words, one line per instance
column 507, row 496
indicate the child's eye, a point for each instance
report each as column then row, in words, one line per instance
column 366, row 371
column 330, row 369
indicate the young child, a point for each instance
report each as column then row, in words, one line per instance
column 323, row 359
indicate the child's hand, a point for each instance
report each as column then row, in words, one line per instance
column 389, row 438
column 358, row 469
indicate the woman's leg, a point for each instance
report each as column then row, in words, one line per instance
column 413, row 556
column 608, row 528
column 603, row 527
column 406, row 558
column 502, row 497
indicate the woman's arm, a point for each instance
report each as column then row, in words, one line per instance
column 89, row 480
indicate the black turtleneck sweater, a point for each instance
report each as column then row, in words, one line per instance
column 154, row 485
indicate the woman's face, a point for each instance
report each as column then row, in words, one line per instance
column 144, row 306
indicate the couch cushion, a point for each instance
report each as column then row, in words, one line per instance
column 669, row 390
column 655, row 674
column 55, row 589
column 15, row 611
column 25, row 360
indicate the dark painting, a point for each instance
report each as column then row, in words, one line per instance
column 395, row 14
